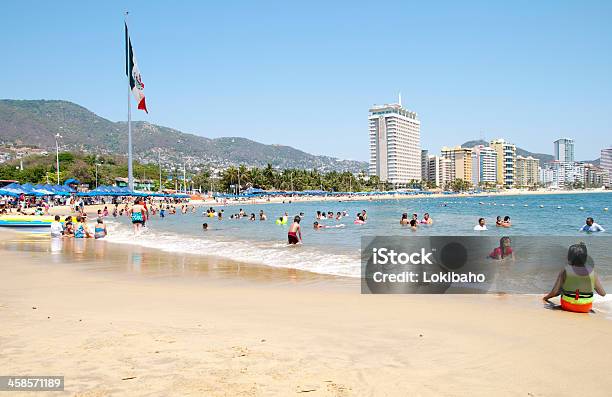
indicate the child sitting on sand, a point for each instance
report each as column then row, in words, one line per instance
column 576, row 282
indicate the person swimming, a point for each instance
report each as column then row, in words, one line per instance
column 506, row 222
column 262, row 215
column 294, row 235
column 498, row 221
column 316, row 225
column 576, row 282
column 413, row 225
column 591, row 227
column 205, row 226
column 252, row 218
column 404, row 221
column 426, row 219
column 504, row 250
column 359, row 220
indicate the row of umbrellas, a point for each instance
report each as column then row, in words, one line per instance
column 16, row 190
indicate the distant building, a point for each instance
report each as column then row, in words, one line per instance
column 139, row 184
column 439, row 171
column 506, row 158
column 461, row 162
column 527, row 171
column 564, row 150
column 395, row 144
column 547, row 176
column 484, row 165
column 594, row 176
column 605, row 163
column 424, row 165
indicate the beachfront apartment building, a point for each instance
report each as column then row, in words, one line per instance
column 547, row 176
column 506, row 159
column 594, row 176
column 605, row 163
column 527, row 171
column 424, row 164
column 564, row 150
column 395, row 144
column 439, row 170
column 484, row 165
column 461, row 162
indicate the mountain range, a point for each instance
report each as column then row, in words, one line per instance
column 34, row 123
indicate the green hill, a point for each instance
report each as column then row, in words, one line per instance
column 34, row 123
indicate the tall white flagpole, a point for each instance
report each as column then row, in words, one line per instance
column 127, row 60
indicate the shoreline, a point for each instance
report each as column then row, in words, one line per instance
column 125, row 321
column 381, row 197
column 66, row 210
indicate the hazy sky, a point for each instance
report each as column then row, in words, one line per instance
column 305, row 74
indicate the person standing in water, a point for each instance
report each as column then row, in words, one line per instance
column 294, row 235
column 100, row 229
column 481, row 225
column 138, row 215
column 576, row 282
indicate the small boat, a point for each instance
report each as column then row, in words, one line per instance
column 25, row 221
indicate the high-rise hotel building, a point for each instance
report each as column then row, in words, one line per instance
column 484, row 165
column 564, row 150
column 461, row 162
column 395, row 144
column 506, row 160
column 527, row 171
column 606, row 164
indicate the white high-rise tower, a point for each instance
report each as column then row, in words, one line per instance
column 395, row 143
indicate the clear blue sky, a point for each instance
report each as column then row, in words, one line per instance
column 305, row 74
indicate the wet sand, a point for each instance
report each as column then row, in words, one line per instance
column 127, row 321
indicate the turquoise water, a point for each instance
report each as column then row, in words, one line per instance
column 336, row 250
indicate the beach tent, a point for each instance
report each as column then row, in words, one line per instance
column 4, row 192
column 14, row 188
column 26, row 189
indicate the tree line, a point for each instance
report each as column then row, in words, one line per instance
column 103, row 169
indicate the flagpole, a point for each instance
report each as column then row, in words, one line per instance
column 130, row 166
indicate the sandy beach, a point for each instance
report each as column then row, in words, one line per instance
column 118, row 320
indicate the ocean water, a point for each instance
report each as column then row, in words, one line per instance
column 337, row 250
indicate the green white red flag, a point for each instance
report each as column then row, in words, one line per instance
column 132, row 71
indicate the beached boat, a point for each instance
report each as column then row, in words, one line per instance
column 25, row 221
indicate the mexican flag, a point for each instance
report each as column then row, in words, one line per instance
column 132, row 71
